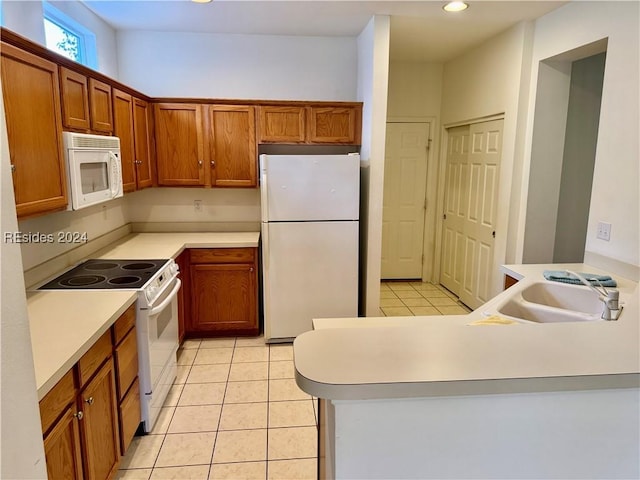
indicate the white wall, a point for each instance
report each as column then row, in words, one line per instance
column 22, row 454
column 24, row 18
column 488, row 80
column 220, row 205
column 238, row 66
column 615, row 195
column 373, row 74
column 94, row 221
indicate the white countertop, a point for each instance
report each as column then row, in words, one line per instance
column 400, row 357
column 64, row 324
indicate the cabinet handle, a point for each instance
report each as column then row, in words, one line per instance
column 79, row 415
column 251, row 269
column 89, row 400
column 13, row 168
column 213, row 163
column 199, row 163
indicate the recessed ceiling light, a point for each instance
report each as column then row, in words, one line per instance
column 455, row 7
column 201, row 1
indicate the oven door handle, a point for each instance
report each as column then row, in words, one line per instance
column 156, row 310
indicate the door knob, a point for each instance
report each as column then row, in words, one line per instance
column 89, row 400
column 79, row 415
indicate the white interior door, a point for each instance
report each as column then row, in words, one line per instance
column 405, row 177
column 455, row 207
column 473, row 161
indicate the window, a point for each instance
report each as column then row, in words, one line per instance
column 69, row 38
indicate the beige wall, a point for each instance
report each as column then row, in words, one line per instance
column 415, row 90
column 373, row 74
column 493, row 79
column 615, row 196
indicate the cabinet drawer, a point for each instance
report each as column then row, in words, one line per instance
column 125, row 323
column 91, row 361
column 222, row 255
column 126, row 363
column 54, row 402
column 129, row 416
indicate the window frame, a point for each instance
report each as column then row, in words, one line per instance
column 86, row 38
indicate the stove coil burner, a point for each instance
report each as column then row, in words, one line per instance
column 138, row 266
column 125, row 280
column 101, row 266
column 82, row 280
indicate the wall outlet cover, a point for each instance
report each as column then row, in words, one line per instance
column 604, row 231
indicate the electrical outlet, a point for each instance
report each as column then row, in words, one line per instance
column 604, row 231
column 197, row 205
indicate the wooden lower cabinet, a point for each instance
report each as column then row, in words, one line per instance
column 223, row 292
column 509, row 281
column 62, row 447
column 91, row 415
column 99, row 425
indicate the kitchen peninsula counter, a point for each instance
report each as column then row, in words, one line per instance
column 438, row 397
column 64, row 324
column 394, row 357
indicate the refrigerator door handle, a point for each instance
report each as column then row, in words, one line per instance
column 264, row 186
column 265, row 247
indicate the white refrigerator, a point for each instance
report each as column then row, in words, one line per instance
column 310, row 207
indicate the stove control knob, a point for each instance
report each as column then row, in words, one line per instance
column 174, row 268
column 151, row 291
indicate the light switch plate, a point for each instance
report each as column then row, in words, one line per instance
column 604, row 231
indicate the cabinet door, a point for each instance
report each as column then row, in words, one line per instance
column 233, row 146
column 224, row 299
column 281, row 124
column 62, row 448
column 179, row 144
column 142, row 137
column 75, row 99
column 100, row 425
column 334, row 125
column 31, row 95
column 123, row 129
column 100, row 106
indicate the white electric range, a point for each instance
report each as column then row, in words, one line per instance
column 157, row 284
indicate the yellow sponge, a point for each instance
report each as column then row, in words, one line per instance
column 493, row 320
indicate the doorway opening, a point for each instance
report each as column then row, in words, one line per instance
column 565, row 133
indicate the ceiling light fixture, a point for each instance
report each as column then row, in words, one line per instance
column 201, row 1
column 455, row 7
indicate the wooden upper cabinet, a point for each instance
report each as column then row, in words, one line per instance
column 179, row 144
column 100, row 106
column 31, row 95
column 131, row 125
column 281, row 124
column 334, row 125
column 75, row 99
column 123, row 129
column 142, row 140
column 232, row 140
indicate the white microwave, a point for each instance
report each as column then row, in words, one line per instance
column 94, row 170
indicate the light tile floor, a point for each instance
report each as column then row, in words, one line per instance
column 235, row 412
column 399, row 299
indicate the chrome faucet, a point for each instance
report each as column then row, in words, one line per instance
column 609, row 298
